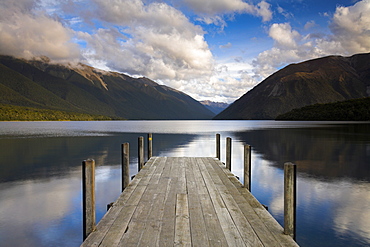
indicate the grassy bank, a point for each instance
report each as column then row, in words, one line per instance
column 20, row 113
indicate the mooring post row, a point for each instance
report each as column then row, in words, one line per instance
column 290, row 201
column 88, row 195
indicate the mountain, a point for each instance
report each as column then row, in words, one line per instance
column 215, row 107
column 323, row 80
column 84, row 89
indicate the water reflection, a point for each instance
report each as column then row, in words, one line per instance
column 333, row 184
column 328, row 153
column 40, row 179
column 40, row 213
column 38, row 158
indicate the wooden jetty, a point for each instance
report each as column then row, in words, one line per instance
column 187, row 201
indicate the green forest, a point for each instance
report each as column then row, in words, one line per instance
column 21, row 113
column 349, row 110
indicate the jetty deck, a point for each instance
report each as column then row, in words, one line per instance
column 178, row 201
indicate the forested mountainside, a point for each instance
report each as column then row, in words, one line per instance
column 39, row 84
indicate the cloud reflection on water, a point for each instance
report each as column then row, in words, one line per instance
column 40, row 187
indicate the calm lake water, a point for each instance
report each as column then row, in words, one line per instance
column 40, row 172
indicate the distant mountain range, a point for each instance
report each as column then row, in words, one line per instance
column 83, row 89
column 318, row 81
column 84, row 92
column 215, row 107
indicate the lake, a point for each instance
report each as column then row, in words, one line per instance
column 40, row 179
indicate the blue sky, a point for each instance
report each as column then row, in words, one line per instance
column 210, row 49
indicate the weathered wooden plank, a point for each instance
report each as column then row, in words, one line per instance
column 198, row 178
column 151, row 233
column 124, row 220
column 240, row 201
column 214, row 231
column 139, row 220
column 243, row 225
column 224, row 187
column 182, row 177
column 198, row 228
column 150, row 236
column 173, row 162
column 166, row 237
column 231, row 232
column 265, row 217
column 182, row 223
column 119, row 227
column 121, row 224
column 107, row 221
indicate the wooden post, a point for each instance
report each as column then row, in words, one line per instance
column 88, row 196
column 141, row 153
column 150, row 145
column 290, row 186
column 218, row 147
column 247, row 167
column 228, row 153
column 125, row 165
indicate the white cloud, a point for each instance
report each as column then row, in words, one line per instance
column 211, row 10
column 350, row 34
column 214, row 7
column 263, row 10
column 228, row 45
column 283, row 35
column 161, row 43
column 154, row 39
column 118, row 12
column 285, row 13
column 230, row 80
column 351, row 27
column 144, row 39
column 309, row 24
column 28, row 33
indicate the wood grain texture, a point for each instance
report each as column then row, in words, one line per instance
column 178, row 201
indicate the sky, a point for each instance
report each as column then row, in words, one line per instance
column 210, row 49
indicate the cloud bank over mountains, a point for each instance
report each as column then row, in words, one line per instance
column 172, row 42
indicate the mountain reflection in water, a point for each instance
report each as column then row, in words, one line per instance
column 40, row 179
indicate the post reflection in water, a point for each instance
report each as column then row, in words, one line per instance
column 40, row 179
